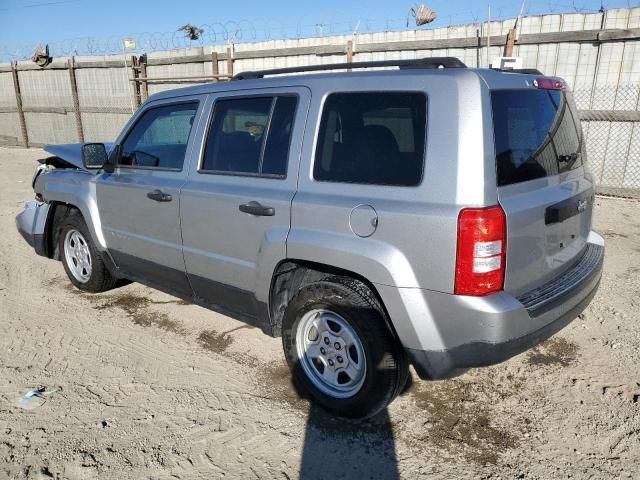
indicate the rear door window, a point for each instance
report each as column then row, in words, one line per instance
column 372, row 138
column 276, row 150
column 536, row 134
column 250, row 136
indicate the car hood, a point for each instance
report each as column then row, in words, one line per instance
column 71, row 152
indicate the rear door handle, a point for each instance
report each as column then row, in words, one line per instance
column 159, row 196
column 254, row 208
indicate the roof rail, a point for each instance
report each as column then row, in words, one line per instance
column 433, row 62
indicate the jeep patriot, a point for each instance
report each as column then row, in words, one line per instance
column 425, row 214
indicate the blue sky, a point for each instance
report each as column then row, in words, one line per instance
column 26, row 22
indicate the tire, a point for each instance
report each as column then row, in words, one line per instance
column 82, row 261
column 362, row 346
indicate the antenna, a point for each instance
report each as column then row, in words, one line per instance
column 520, row 14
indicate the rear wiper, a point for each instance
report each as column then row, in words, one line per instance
column 568, row 158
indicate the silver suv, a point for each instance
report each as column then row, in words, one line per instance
column 428, row 214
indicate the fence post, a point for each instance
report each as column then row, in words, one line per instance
column 16, row 87
column 508, row 47
column 143, row 82
column 603, row 20
column 76, row 100
column 478, row 47
column 349, row 53
column 135, row 84
column 230, row 62
column 214, row 66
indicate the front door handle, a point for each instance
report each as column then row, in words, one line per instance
column 159, row 196
column 254, row 208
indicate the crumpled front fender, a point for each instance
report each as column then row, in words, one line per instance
column 76, row 188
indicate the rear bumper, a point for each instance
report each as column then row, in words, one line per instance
column 31, row 224
column 481, row 331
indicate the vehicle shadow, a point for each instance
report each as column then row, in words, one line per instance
column 337, row 448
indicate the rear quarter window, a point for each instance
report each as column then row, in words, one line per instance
column 536, row 134
column 374, row 138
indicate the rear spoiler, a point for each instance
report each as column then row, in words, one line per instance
column 525, row 71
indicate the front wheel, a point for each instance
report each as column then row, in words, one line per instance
column 82, row 261
column 340, row 348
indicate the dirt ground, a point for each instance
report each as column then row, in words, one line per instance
column 143, row 385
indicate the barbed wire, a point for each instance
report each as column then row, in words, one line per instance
column 220, row 33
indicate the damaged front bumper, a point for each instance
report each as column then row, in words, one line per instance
column 31, row 223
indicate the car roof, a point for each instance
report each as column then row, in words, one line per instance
column 494, row 79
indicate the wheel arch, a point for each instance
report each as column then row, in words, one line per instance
column 76, row 190
column 58, row 211
column 290, row 275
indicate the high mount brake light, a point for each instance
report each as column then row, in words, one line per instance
column 545, row 83
column 480, row 256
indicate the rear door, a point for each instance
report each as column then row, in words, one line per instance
column 542, row 183
column 236, row 206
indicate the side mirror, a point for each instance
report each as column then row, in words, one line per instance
column 94, row 155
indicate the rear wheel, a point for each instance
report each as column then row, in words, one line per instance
column 82, row 261
column 340, row 348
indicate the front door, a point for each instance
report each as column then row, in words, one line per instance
column 236, row 207
column 139, row 202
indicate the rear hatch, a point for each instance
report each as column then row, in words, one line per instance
column 542, row 185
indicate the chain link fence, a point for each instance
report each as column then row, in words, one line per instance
column 611, row 123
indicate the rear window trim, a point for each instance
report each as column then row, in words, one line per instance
column 318, row 121
column 271, row 176
column 580, row 138
column 556, row 127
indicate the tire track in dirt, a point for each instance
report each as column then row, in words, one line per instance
column 123, row 395
column 197, row 399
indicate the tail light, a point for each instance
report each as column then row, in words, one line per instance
column 480, row 256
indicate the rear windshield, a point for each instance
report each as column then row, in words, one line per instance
column 536, row 134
